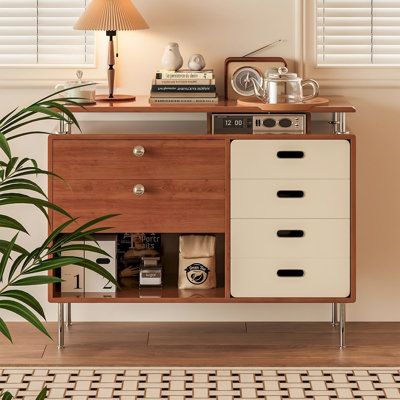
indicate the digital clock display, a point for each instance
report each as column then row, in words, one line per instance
column 238, row 124
column 234, row 122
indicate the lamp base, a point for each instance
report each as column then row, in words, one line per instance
column 116, row 97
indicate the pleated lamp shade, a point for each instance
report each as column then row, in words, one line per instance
column 111, row 15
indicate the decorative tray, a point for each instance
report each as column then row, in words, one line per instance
column 290, row 107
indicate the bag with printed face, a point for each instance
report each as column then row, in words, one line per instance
column 197, row 262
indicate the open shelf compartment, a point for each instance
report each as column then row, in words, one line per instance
column 130, row 292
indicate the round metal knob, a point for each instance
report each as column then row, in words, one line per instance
column 139, row 190
column 139, row 151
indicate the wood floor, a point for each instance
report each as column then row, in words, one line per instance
column 205, row 344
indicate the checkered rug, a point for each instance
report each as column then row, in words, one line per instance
column 203, row 383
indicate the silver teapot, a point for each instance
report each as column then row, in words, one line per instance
column 281, row 86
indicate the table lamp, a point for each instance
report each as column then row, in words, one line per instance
column 111, row 16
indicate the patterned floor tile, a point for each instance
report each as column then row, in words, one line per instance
column 203, row 383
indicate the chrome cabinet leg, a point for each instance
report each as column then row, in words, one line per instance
column 342, row 326
column 339, row 123
column 60, row 326
column 65, row 127
column 334, row 315
column 69, row 315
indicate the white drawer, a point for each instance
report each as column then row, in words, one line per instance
column 257, row 277
column 308, row 238
column 290, row 159
column 312, row 198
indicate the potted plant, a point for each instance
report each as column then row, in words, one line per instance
column 21, row 268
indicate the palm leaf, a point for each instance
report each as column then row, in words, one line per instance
column 6, row 257
column 36, row 280
column 54, row 234
column 11, row 223
column 63, row 109
column 22, row 162
column 6, row 396
column 61, row 91
column 76, row 235
column 20, row 116
column 7, row 115
column 10, row 165
column 27, row 133
column 52, row 263
column 95, row 221
column 4, row 245
column 18, row 198
column 31, row 121
column 21, row 184
column 91, row 265
column 26, row 298
column 15, row 265
column 42, row 395
column 24, row 312
column 4, row 330
column 47, row 111
column 79, row 234
column 83, row 247
column 4, row 145
column 35, row 171
column 58, row 262
column 33, row 255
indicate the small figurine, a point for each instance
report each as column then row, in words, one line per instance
column 196, row 62
column 172, row 59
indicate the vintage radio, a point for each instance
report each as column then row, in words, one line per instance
column 259, row 123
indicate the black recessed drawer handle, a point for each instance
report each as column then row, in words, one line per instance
column 290, row 233
column 290, row 154
column 290, row 273
column 285, row 194
column 103, row 261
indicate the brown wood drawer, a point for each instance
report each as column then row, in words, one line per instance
column 166, row 206
column 163, row 159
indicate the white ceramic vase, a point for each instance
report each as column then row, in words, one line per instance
column 196, row 62
column 172, row 59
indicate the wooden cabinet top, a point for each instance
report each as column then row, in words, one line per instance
column 142, row 105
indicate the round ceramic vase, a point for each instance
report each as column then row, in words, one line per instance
column 196, row 62
column 172, row 59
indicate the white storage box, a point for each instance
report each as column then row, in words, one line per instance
column 73, row 276
column 93, row 281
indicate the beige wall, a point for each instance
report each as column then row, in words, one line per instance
column 218, row 29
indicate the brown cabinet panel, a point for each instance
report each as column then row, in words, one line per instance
column 166, row 206
column 162, row 159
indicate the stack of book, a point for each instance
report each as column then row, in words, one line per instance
column 184, row 86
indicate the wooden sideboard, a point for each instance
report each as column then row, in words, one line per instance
column 228, row 185
column 189, row 189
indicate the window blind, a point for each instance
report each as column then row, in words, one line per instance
column 41, row 32
column 364, row 32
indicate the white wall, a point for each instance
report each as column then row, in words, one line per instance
column 218, row 29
